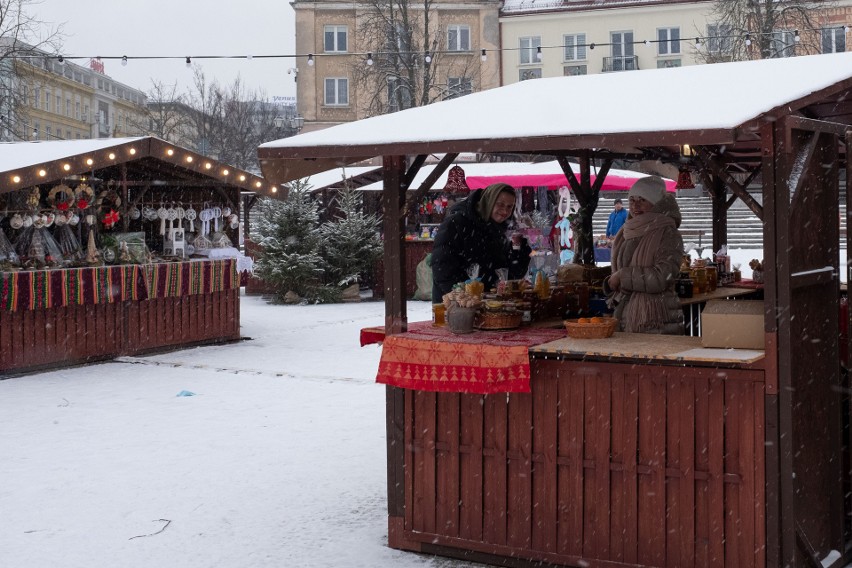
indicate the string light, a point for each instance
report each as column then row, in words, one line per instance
column 484, row 56
column 369, row 59
column 428, row 55
column 538, row 53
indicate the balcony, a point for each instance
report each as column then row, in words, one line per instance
column 621, row 63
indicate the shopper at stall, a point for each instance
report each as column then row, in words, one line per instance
column 646, row 256
column 474, row 232
column 616, row 219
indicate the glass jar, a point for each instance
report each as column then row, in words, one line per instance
column 439, row 315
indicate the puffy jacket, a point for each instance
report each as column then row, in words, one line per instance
column 464, row 239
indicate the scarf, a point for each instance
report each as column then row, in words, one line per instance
column 489, row 198
column 644, row 312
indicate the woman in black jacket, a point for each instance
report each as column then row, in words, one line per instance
column 474, row 232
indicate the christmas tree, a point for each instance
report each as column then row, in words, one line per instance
column 291, row 242
column 350, row 242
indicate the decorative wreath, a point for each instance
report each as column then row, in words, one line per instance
column 84, row 195
column 61, row 197
column 110, row 201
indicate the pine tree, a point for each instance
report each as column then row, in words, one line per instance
column 351, row 241
column 290, row 237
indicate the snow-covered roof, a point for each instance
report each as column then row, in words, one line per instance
column 329, row 177
column 535, row 6
column 493, row 169
column 15, row 155
column 699, row 104
column 24, row 164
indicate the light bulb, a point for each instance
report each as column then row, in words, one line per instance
column 124, row 60
column 61, row 60
column 591, row 46
column 428, row 58
column 647, row 43
column 796, row 37
column 538, row 53
column 369, row 59
column 484, row 56
column 698, row 42
column 748, row 39
column 311, row 59
column 188, row 61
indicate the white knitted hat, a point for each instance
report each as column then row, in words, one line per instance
column 651, row 188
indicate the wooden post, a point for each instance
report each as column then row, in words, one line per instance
column 393, row 200
column 718, row 198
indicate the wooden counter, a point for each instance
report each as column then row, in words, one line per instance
column 646, row 348
column 717, row 294
column 635, row 450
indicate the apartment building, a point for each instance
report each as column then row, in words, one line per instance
column 62, row 100
column 555, row 38
column 331, row 85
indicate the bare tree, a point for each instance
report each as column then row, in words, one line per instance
column 21, row 35
column 231, row 122
column 167, row 115
column 762, row 29
column 406, row 39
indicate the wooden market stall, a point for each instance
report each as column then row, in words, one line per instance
column 119, row 293
column 636, row 450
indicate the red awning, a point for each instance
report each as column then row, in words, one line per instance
column 554, row 181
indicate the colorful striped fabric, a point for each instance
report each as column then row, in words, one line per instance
column 170, row 280
column 43, row 289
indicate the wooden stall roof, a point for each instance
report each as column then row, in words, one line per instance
column 146, row 160
column 636, row 112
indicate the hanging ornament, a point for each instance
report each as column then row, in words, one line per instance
column 111, row 218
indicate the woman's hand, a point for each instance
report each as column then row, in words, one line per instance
column 614, row 282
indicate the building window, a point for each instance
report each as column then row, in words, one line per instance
column 68, row 135
column 36, row 131
column 458, row 87
column 668, row 41
column 336, row 91
column 77, row 110
column 67, row 107
column 571, row 70
column 575, row 47
column 47, row 101
column 530, row 74
column 529, row 49
column 36, row 97
column 58, row 104
column 335, row 38
column 47, row 132
column 719, row 38
column 666, row 63
column 458, row 38
column 833, row 40
column 623, row 57
column 783, row 44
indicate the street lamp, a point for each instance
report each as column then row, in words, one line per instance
column 297, row 122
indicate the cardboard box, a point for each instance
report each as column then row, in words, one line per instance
column 734, row 324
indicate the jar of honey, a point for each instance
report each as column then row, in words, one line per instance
column 439, row 313
column 474, row 288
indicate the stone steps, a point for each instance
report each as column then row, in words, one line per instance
column 744, row 229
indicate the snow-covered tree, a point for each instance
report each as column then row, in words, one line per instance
column 289, row 234
column 351, row 241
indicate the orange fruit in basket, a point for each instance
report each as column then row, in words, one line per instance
column 584, row 320
column 598, row 320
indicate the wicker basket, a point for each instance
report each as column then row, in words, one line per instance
column 597, row 330
column 498, row 320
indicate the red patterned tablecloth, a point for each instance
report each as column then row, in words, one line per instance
column 484, row 362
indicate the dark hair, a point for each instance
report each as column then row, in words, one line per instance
column 616, row 201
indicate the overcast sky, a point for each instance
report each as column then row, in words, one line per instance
column 180, row 28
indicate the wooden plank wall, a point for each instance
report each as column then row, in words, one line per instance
column 41, row 339
column 629, row 465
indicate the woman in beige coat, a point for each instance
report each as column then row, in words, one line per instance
column 646, row 256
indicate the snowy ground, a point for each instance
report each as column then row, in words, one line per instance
column 278, row 460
